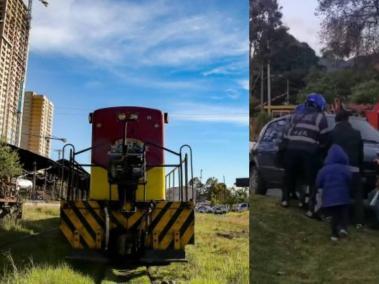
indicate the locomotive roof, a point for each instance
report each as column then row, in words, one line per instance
column 128, row 107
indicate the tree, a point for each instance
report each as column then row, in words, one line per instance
column 212, row 181
column 366, row 92
column 349, row 84
column 198, row 187
column 9, row 162
column 350, row 27
column 289, row 58
column 196, row 182
column 240, row 195
column 265, row 18
column 220, row 193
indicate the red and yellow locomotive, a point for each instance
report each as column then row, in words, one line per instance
column 124, row 213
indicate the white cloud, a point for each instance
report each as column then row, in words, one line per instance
column 210, row 113
column 216, row 71
column 134, row 33
column 244, row 84
column 227, row 69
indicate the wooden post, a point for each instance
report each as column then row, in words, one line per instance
column 269, row 88
column 262, row 99
column 34, row 191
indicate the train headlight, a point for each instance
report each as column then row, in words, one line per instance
column 133, row 116
column 121, row 116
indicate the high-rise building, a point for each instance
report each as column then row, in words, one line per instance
column 37, row 123
column 13, row 56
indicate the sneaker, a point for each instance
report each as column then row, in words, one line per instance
column 343, row 233
column 333, row 238
column 309, row 214
column 284, row 203
column 301, row 205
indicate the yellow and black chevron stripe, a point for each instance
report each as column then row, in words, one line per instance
column 82, row 223
column 170, row 224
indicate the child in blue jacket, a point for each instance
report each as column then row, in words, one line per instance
column 335, row 181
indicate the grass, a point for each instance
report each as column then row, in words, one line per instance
column 221, row 252
column 219, row 256
column 291, row 248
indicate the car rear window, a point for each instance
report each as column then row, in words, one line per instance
column 368, row 132
column 274, row 131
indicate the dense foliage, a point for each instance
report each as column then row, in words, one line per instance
column 366, row 92
column 290, row 60
column 347, row 68
column 355, row 85
column 350, row 27
column 217, row 192
column 9, row 162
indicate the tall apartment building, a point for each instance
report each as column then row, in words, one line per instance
column 37, row 123
column 13, row 56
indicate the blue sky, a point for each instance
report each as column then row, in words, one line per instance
column 304, row 24
column 188, row 58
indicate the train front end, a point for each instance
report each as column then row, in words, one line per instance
column 127, row 214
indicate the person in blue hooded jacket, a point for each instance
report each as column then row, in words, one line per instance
column 335, row 179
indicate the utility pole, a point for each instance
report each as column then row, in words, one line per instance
column 262, row 88
column 288, row 91
column 34, row 192
column 59, row 151
column 268, row 80
column 224, row 193
column 268, row 88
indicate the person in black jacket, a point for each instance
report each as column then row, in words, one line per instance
column 351, row 142
column 307, row 132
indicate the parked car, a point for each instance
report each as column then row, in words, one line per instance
column 220, row 209
column 210, row 209
column 201, row 209
column 266, row 172
column 205, row 209
column 240, row 207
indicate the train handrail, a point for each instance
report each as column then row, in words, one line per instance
column 184, row 167
column 189, row 148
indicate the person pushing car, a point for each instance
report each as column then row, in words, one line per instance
column 303, row 142
column 351, row 142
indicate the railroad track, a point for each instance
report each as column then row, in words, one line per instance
column 153, row 280
column 148, row 273
column 143, row 274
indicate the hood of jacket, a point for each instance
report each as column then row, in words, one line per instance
column 336, row 155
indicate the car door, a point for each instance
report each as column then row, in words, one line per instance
column 267, row 149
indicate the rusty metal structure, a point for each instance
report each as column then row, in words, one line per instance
column 10, row 200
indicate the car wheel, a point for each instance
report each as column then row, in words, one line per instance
column 257, row 184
